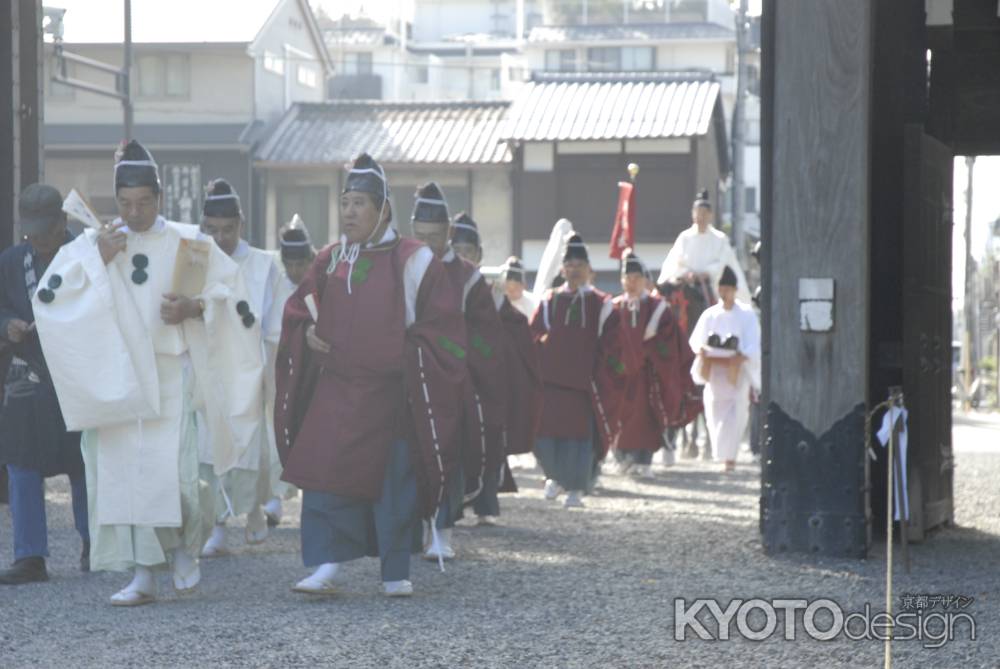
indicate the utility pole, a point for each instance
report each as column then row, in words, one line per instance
column 122, row 90
column 127, row 73
column 738, row 132
column 519, row 22
column 969, row 354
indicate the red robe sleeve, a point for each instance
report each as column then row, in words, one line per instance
column 609, row 380
column 524, row 381
column 295, row 373
column 436, row 353
column 691, row 394
column 487, row 367
column 665, row 370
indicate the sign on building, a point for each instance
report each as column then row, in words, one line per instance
column 182, row 192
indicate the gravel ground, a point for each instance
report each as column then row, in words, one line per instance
column 548, row 588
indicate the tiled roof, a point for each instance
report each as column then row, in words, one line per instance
column 613, row 106
column 392, row 132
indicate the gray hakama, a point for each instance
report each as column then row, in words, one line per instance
column 568, row 462
column 339, row 529
column 452, row 500
column 487, row 502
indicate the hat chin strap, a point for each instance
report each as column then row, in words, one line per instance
column 349, row 253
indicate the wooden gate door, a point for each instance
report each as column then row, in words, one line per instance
column 927, row 328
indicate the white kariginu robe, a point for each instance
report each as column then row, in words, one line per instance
column 130, row 381
column 706, row 252
column 248, row 484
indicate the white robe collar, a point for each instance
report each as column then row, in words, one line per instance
column 158, row 226
column 388, row 236
column 242, row 251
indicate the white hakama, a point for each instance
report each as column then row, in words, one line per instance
column 727, row 404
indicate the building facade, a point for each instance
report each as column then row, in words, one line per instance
column 203, row 93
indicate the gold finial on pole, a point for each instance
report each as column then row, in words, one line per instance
column 633, row 170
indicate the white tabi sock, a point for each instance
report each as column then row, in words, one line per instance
column 143, row 581
column 402, row 588
column 327, row 572
column 142, row 587
column 187, row 573
column 216, row 544
column 320, row 582
column 273, row 509
column 256, row 531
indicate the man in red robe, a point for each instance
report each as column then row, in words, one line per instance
column 575, row 329
column 524, row 370
column 371, row 360
column 651, row 345
column 485, row 388
column 519, row 380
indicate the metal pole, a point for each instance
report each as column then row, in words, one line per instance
column 127, row 73
column 970, row 356
column 519, row 21
column 738, row 138
column 895, row 400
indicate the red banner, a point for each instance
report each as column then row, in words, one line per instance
column 623, row 234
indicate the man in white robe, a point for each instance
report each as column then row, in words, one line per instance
column 297, row 254
column 246, row 489
column 703, row 251
column 142, row 321
column 726, row 340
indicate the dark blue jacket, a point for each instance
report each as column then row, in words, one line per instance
column 32, row 431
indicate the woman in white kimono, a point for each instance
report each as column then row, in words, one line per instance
column 727, row 343
column 139, row 322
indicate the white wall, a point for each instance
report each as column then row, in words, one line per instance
column 220, row 89
column 438, row 19
column 687, row 55
column 449, row 78
column 275, row 92
column 673, row 55
column 492, row 208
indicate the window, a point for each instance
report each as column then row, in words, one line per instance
column 750, row 200
column 515, row 74
column 306, row 75
column 421, row 75
column 638, row 59
column 164, row 76
column 621, row 59
column 560, row 60
column 358, row 63
column 604, row 59
column 274, row 63
column 495, row 79
column 731, row 59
